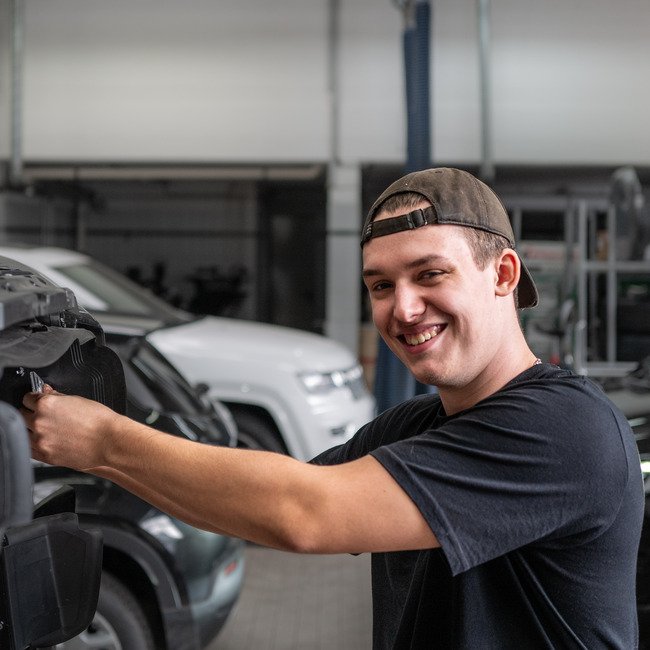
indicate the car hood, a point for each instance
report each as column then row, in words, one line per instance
column 126, row 324
column 215, row 339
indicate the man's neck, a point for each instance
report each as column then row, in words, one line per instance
column 492, row 379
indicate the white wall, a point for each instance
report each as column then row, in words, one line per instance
column 248, row 81
column 184, row 81
column 570, row 81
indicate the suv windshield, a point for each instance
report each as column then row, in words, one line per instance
column 152, row 380
column 119, row 294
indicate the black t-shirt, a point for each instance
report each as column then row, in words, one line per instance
column 535, row 495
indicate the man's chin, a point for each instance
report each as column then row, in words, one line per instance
column 418, row 366
column 428, row 380
column 424, row 374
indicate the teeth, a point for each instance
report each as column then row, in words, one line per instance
column 417, row 339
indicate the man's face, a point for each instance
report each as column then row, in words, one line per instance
column 433, row 306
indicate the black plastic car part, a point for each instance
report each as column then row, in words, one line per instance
column 27, row 295
column 51, row 575
column 83, row 368
column 45, row 331
column 49, row 567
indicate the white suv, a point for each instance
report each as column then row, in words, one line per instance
column 289, row 390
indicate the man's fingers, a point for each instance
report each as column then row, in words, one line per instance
column 30, row 399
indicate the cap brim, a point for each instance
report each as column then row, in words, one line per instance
column 527, row 291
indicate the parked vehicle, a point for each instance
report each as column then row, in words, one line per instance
column 164, row 585
column 289, row 391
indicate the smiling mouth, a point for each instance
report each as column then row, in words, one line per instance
column 422, row 337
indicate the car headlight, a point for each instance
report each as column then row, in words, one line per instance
column 321, row 383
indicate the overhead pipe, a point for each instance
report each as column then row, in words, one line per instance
column 417, row 52
column 333, row 80
column 17, row 31
column 487, row 171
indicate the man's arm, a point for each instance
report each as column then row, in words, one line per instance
column 264, row 497
column 156, row 499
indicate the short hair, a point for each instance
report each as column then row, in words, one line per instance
column 485, row 246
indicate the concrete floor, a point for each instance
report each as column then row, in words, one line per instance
column 301, row 602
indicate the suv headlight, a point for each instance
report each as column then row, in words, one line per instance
column 321, row 383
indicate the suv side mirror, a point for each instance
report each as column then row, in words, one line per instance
column 50, row 569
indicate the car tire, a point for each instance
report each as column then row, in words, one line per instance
column 119, row 623
column 255, row 433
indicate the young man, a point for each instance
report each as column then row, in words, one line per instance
column 504, row 512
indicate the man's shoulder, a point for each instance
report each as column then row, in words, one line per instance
column 545, row 372
column 552, row 381
column 404, row 420
column 549, row 399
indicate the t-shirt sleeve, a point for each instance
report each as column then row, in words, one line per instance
column 525, row 465
column 382, row 430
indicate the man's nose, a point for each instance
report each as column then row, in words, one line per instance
column 409, row 304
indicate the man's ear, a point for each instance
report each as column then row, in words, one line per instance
column 508, row 271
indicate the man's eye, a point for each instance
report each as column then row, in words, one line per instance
column 381, row 286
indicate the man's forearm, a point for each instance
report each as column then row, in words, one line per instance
column 156, row 499
column 240, row 493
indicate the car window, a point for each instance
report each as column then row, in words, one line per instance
column 119, row 294
column 154, row 382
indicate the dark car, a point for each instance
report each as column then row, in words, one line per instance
column 49, row 568
column 164, row 584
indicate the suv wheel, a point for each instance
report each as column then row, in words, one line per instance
column 255, row 433
column 119, row 623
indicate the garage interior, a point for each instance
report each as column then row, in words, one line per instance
column 223, row 155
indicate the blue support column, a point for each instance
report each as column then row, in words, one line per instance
column 393, row 382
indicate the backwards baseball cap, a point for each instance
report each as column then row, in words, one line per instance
column 456, row 198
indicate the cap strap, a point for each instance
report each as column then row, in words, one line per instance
column 407, row 221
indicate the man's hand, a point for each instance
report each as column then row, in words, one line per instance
column 66, row 429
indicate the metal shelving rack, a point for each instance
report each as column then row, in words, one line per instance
column 583, row 312
column 587, row 268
